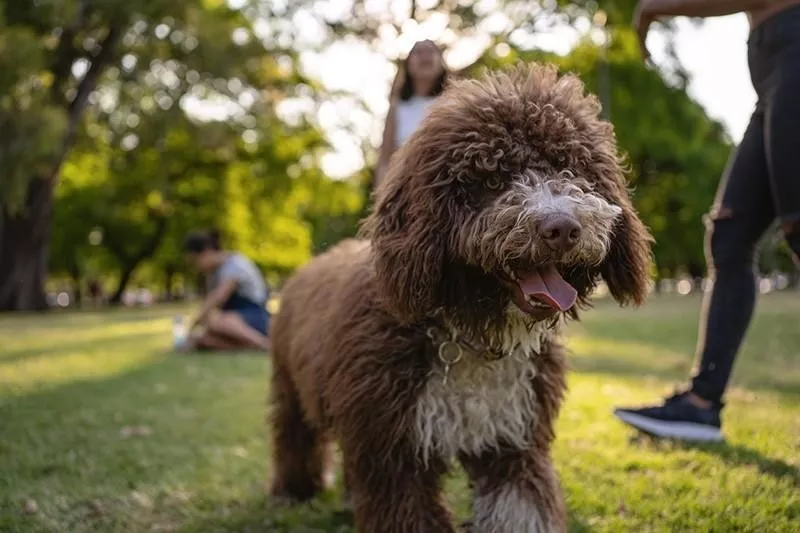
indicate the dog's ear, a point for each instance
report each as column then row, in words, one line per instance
column 408, row 238
column 626, row 268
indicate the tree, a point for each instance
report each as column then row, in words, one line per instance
column 58, row 58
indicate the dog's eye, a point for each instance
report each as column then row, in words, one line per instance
column 493, row 183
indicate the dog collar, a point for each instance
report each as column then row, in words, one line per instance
column 451, row 347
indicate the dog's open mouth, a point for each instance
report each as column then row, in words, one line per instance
column 542, row 292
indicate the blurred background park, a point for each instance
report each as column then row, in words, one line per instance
column 124, row 124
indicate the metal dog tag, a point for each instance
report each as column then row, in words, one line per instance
column 450, row 353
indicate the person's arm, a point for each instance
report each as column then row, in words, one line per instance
column 387, row 146
column 701, row 8
column 215, row 298
column 648, row 11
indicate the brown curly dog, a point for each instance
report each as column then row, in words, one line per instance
column 436, row 337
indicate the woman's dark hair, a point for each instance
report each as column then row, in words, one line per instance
column 214, row 238
column 200, row 241
column 407, row 89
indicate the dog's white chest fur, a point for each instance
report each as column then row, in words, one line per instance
column 482, row 403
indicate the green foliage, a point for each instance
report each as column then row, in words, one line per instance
column 192, row 175
column 617, row 12
column 31, row 129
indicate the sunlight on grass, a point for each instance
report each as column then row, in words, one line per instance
column 38, row 371
column 590, row 353
column 104, row 430
column 45, row 340
column 47, row 357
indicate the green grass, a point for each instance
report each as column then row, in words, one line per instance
column 106, row 431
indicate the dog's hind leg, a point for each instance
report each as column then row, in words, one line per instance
column 301, row 454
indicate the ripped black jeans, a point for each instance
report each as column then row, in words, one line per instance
column 761, row 184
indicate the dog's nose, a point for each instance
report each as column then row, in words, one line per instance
column 560, row 233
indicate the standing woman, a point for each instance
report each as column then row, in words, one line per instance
column 760, row 185
column 234, row 313
column 421, row 78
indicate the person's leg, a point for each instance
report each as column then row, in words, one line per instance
column 202, row 339
column 742, row 213
column 231, row 324
column 733, row 236
column 210, row 341
column 783, row 144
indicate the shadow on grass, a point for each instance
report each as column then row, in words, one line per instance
column 762, row 376
column 71, row 318
column 740, row 455
column 217, row 354
column 736, row 455
column 591, row 363
column 321, row 515
column 170, row 392
column 167, row 425
column 257, row 515
column 65, row 348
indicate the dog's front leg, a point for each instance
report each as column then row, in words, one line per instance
column 515, row 491
column 393, row 492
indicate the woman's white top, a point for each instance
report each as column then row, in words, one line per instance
column 408, row 115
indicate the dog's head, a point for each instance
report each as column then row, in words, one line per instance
column 511, row 190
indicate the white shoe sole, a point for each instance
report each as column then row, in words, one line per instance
column 687, row 431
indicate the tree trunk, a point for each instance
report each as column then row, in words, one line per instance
column 132, row 263
column 169, row 277
column 24, row 247
column 125, row 278
column 25, row 237
column 696, row 273
column 75, row 274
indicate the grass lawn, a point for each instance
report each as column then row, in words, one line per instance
column 102, row 430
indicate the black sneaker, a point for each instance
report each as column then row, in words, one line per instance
column 677, row 419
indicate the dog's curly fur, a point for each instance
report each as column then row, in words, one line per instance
column 455, row 222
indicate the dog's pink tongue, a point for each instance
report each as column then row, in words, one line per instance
column 547, row 285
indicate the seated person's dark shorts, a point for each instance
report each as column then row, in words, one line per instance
column 254, row 314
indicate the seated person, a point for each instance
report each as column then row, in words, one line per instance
column 233, row 315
